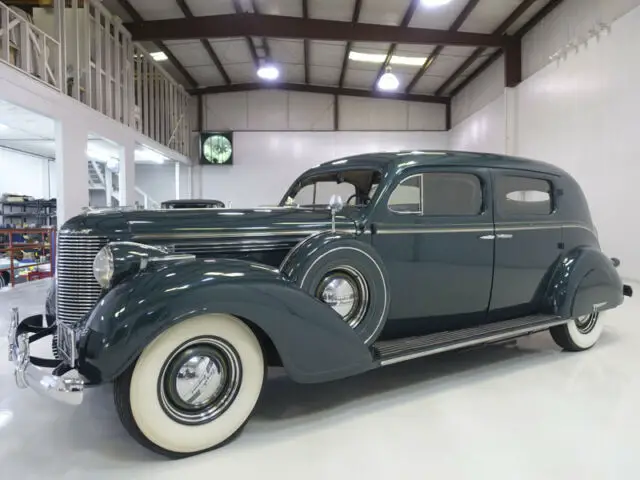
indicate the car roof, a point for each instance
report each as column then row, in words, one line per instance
column 438, row 158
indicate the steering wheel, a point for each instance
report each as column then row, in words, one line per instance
column 355, row 196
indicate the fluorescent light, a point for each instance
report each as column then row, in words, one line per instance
column 381, row 57
column 144, row 154
column 268, row 72
column 158, row 56
column 435, row 3
column 97, row 153
column 388, row 81
column 3, row 127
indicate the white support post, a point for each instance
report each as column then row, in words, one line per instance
column 146, row 114
column 61, row 36
column 25, row 48
column 108, row 71
column 108, row 185
column 86, row 57
column 76, row 53
column 152, row 100
column 98, row 33
column 190, row 182
column 42, row 58
column 72, row 174
column 177, row 180
column 163, row 106
column 117, row 51
column 137, row 62
column 127, row 175
column 4, row 25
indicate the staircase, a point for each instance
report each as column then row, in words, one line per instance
column 101, row 178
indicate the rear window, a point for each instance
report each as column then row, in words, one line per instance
column 517, row 195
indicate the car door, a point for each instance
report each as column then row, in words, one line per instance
column 434, row 230
column 528, row 241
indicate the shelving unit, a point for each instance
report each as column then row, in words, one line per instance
column 36, row 213
column 26, row 254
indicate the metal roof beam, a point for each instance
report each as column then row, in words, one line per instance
column 252, row 25
column 301, row 87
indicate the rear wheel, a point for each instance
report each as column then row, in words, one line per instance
column 194, row 387
column 580, row 333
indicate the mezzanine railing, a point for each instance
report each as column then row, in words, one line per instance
column 81, row 49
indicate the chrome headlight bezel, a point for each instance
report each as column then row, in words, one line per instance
column 104, row 267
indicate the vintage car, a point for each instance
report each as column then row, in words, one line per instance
column 184, row 310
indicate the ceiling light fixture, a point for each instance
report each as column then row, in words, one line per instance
column 268, row 72
column 435, row 3
column 159, row 56
column 381, row 57
column 388, row 81
column 3, row 126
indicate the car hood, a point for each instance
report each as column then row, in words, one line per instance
column 150, row 226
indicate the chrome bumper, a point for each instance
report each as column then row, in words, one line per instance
column 67, row 388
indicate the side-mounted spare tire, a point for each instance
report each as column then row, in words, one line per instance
column 346, row 274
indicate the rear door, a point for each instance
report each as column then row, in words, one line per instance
column 528, row 241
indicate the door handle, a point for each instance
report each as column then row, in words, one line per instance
column 487, row 237
column 504, row 236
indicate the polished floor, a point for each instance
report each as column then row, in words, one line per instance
column 525, row 412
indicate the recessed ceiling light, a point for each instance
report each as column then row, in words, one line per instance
column 158, row 56
column 381, row 57
column 388, row 82
column 268, row 72
column 435, row 3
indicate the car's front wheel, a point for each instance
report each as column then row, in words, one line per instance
column 580, row 333
column 194, row 387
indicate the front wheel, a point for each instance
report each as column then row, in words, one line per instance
column 194, row 387
column 580, row 333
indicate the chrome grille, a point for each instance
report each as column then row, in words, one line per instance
column 77, row 291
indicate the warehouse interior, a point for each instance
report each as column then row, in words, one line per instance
column 108, row 105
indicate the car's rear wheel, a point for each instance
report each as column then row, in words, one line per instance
column 194, row 387
column 580, row 333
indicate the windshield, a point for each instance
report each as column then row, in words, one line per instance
column 355, row 187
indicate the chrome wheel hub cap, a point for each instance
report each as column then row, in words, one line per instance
column 199, row 380
column 346, row 292
column 586, row 323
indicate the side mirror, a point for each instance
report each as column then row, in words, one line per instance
column 335, row 205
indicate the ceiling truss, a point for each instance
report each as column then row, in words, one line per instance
column 257, row 27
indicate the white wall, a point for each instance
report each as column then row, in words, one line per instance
column 279, row 110
column 26, row 174
column 580, row 114
column 158, row 181
column 266, row 163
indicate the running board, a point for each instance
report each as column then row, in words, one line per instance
column 394, row 351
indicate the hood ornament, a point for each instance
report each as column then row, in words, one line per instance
column 335, row 205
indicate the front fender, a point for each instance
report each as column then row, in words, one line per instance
column 313, row 342
column 583, row 281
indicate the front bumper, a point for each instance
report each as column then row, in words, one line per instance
column 67, row 387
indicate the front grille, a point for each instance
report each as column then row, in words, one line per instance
column 77, row 291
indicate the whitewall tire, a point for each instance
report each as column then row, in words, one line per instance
column 194, row 387
column 579, row 334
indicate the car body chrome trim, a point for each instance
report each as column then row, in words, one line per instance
column 232, row 234
column 476, row 341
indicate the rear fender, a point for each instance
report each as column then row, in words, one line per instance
column 584, row 281
column 312, row 341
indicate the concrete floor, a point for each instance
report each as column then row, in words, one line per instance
column 529, row 412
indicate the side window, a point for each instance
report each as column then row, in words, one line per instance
column 407, row 196
column 451, row 194
column 438, row 194
column 523, row 196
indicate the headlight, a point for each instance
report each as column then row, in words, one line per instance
column 103, row 267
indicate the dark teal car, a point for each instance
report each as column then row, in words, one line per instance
column 367, row 261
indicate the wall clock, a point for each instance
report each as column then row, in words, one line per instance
column 216, row 148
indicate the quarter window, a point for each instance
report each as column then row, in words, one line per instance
column 524, row 196
column 438, row 194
